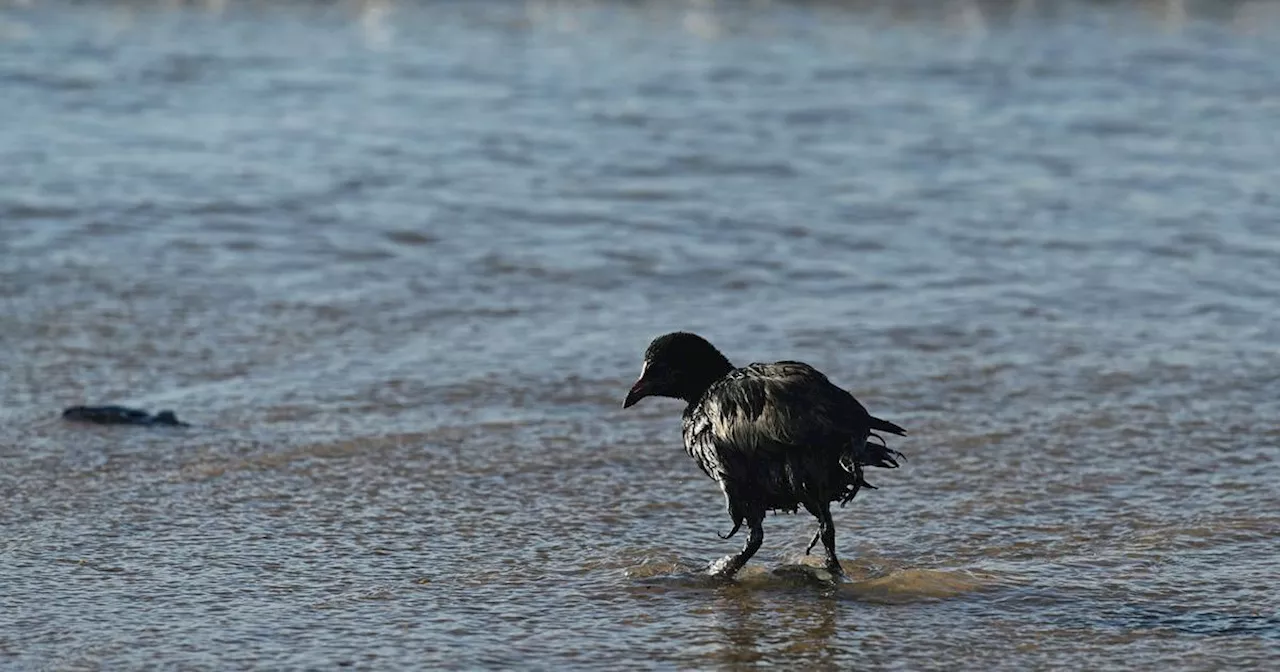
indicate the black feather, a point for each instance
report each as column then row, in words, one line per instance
column 774, row 436
column 785, row 436
column 885, row 426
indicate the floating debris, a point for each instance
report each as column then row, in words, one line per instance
column 121, row 415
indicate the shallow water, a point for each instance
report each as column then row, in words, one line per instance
column 398, row 262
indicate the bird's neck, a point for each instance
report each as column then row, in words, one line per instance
column 707, row 375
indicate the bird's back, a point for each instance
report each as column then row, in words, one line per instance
column 776, row 428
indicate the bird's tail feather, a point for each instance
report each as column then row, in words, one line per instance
column 885, row 426
column 874, row 453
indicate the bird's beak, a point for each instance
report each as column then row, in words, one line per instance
column 638, row 391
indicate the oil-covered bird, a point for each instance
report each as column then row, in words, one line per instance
column 775, row 437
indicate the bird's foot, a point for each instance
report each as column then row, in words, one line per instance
column 725, row 567
column 833, row 567
column 737, row 525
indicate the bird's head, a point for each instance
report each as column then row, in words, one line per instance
column 678, row 365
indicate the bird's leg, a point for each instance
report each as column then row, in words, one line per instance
column 814, row 541
column 730, row 565
column 734, row 513
column 737, row 525
column 827, row 529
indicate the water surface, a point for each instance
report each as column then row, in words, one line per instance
column 398, row 262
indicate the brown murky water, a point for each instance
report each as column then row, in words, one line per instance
column 398, row 262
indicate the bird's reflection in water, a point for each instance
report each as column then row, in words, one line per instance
column 751, row 630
